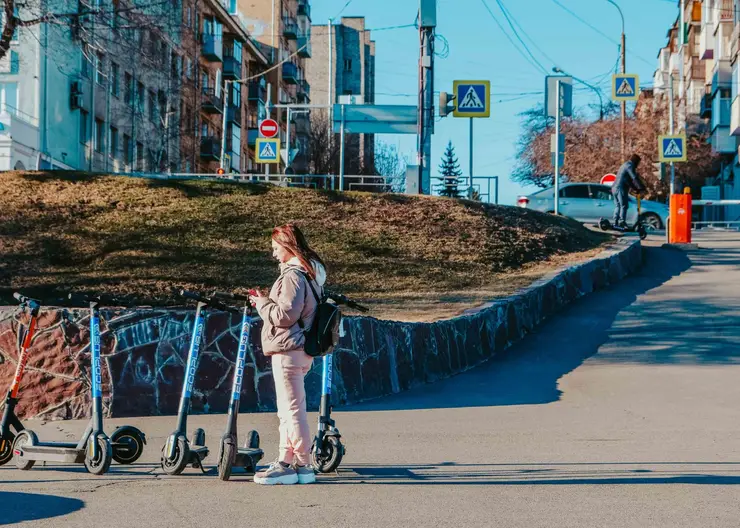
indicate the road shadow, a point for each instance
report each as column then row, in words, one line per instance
column 20, row 507
column 558, row 474
column 528, row 372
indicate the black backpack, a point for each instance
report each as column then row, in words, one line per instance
column 323, row 335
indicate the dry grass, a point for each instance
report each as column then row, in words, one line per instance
column 139, row 238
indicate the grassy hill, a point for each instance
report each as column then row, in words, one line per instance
column 141, row 238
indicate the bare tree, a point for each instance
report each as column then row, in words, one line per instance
column 390, row 164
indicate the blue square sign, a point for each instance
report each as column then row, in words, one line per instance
column 672, row 148
column 625, row 87
column 472, row 98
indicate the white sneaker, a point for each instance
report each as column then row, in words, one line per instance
column 275, row 474
column 306, row 474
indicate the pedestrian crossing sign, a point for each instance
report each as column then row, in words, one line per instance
column 625, row 87
column 472, row 98
column 268, row 150
column 672, row 148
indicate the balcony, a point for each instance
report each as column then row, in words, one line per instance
column 304, row 9
column 211, row 104
column 210, row 148
column 252, row 135
column 720, row 112
column 706, row 106
column 304, row 46
column 694, row 69
column 722, row 76
column 290, row 28
column 706, row 44
column 304, row 92
column 735, row 117
column 232, row 68
column 257, row 91
column 211, row 48
column 290, row 73
column 722, row 142
column 234, row 115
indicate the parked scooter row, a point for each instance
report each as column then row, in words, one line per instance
column 126, row 444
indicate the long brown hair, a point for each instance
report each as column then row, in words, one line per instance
column 291, row 238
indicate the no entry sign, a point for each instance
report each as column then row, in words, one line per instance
column 268, row 128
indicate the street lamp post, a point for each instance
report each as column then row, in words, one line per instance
column 624, row 70
column 598, row 92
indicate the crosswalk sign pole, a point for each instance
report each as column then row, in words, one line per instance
column 557, row 148
column 670, row 119
column 470, row 187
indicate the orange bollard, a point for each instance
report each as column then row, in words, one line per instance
column 680, row 224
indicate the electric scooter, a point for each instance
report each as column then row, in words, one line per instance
column 94, row 448
column 230, row 455
column 606, row 225
column 178, row 452
column 327, row 449
column 11, row 400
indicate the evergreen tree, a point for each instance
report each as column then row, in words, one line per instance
column 450, row 171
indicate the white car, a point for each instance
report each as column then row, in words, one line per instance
column 589, row 202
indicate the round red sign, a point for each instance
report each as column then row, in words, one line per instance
column 608, row 179
column 268, row 128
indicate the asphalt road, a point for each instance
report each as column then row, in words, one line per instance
column 623, row 411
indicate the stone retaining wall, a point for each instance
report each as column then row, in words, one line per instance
column 144, row 350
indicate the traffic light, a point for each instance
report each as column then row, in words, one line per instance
column 220, row 171
column 445, row 104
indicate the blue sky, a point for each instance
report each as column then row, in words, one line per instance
column 479, row 50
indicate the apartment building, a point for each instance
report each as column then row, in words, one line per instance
column 129, row 90
column 352, row 73
column 283, row 30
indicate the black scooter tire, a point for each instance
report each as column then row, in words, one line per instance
column 23, row 438
column 177, row 465
column 6, row 449
column 132, row 449
column 332, row 457
column 605, row 224
column 642, row 232
column 227, row 459
column 101, row 465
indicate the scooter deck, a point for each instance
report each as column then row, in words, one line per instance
column 54, row 453
column 248, row 458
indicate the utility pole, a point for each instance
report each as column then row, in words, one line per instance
column 470, row 187
column 671, row 129
column 557, row 148
column 223, row 125
column 330, row 30
column 427, row 23
column 623, row 56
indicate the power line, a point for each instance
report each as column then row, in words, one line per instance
column 510, row 18
column 597, row 30
column 534, row 64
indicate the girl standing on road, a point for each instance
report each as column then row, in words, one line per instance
column 290, row 308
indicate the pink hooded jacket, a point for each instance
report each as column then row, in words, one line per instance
column 290, row 300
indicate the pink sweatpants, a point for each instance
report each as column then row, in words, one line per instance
column 288, row 371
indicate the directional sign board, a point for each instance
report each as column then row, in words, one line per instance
column 566, row 95
column 268, row 150
column 376, row 119
column 625, row 87
column 472, row 98
column 672, row 148
column 268, row 128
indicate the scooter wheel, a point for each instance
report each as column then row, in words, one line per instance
column 199, row 437
column 100, row 464
column 226, row 461
column 129, row 445
column 331, row 456
column 604, row 224
column 253, row 440
column 6, row 449
column 25, row 438
column 176, row 464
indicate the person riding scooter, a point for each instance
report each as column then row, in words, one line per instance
column 627, row 179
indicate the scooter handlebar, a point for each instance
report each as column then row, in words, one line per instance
column 82, row 299
column 212, row 302
column 341, row 299
column 230, row 296
column 24, row 300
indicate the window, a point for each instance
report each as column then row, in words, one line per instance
column 348, row 92
column 152, row 106
column 9, row 95
column 237, row 52
column 14, row 63
column 204, row 130
column 197, row 26
column 576, row 191
column 140, row 95
column 113, row 142
column 86, row 69
column 174, row 70
column 128, row 88
column 204, row 81
column 84, row 134
column 601, row 192
column 100, row 60
column 99, row 136
column 114, row 79
column 162, row 102
column 127, row 150
column 347, row 65
column 235, row 95
column 189, row 17
column 217, row 84
column 139, row 156
column 189, row 68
